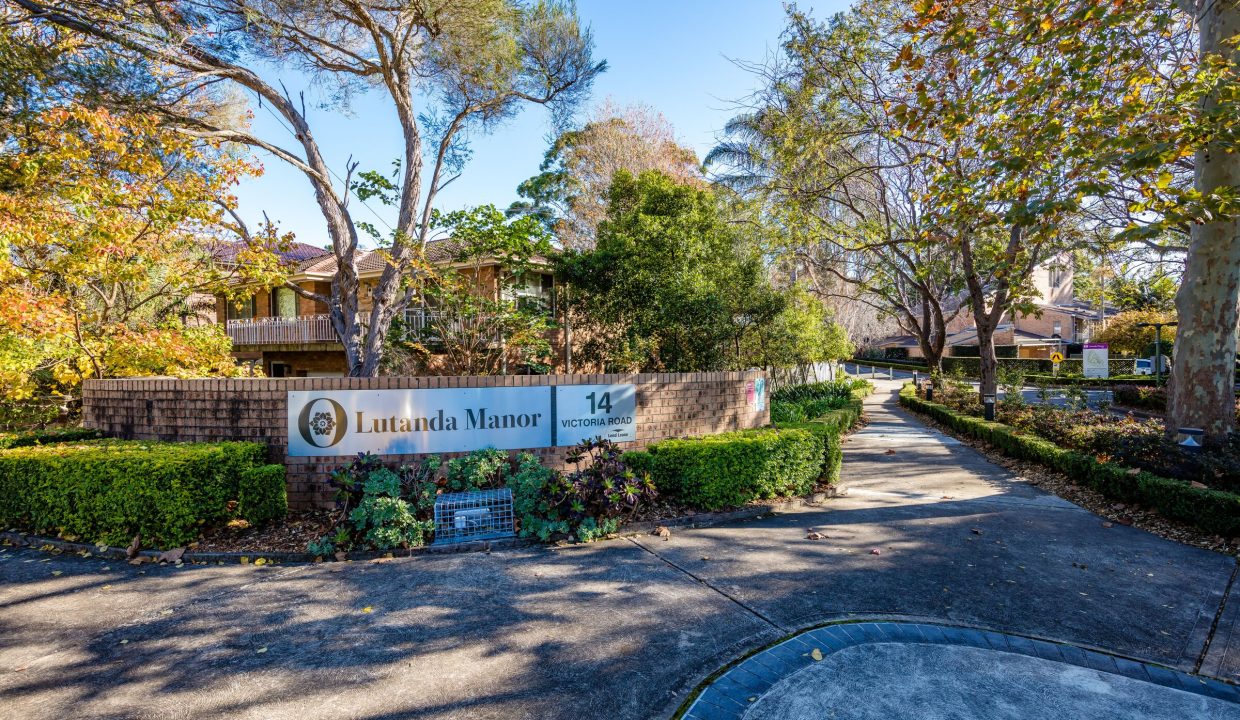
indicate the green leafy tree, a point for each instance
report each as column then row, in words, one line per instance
column 824, row 158
column 1126, row 338
column 801, row 334
column 671, row 286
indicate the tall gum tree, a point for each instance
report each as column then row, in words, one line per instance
column 1202, row 379
column 824, row 157
column 1063, row 105
column 446, row 66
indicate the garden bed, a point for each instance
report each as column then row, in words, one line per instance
column 1075, row 452
column 387, row 510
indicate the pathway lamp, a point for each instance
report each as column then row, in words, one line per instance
column 1189, row 439
column 988, row 407
column 1158, row 326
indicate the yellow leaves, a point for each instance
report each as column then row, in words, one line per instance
column 1164, row 180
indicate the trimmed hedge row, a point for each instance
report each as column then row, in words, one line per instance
column 727, row 470
column 108, row 491
column 47, row 437
column 1212, row 511
column 731, row 469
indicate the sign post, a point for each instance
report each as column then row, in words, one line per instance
column 1095, row 359
column 1056, row 358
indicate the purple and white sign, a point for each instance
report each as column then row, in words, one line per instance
column 1095, row 359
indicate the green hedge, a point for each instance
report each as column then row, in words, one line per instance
column 261, row 494
column 46, row 437
column 108, row 491
column 1212, row 511
column 731, row 469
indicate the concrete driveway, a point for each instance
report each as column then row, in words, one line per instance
column 619, row 629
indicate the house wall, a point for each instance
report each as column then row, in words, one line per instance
column 256, row 410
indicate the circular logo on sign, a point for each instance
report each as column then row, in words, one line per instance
column 322, row 422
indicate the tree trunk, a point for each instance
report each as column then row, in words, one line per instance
column 1203, row 365
column 987, row 360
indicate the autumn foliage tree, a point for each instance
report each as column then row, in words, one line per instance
column 445, row 69
column 106, row 225
column 570, row 193
column 107, row 221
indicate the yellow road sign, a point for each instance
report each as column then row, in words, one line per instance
column 1056, row 357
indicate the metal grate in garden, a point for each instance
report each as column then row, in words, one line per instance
column 481, row 515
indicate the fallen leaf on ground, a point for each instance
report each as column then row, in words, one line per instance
column 261, row 650
column 368, row 609
column 1107, row 524
column 816, row 654
column 876, row 551
column 260, row 561
column 172, row 555
column 662, row 532
column 890, row 452
column 57, row 572
column 245, row 560
column 816, row 536
column 977, row 531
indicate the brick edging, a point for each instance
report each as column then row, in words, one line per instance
column 729, row 692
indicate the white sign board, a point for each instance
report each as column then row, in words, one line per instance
column 584, row 412
column 1094, row 358
column 400, row 422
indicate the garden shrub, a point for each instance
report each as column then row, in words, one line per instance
column 587, row 503
column 47, row 437
column 380, row 508
column 799, row 403
column 108, row 491
column 1211, row 510
column 731, row 469
column 480, row 470
column 261, row 494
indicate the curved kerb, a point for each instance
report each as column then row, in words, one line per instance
column 732, row 693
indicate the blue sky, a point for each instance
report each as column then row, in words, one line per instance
column 674, row 55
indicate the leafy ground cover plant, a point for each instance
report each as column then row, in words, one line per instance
column 380, row 508
column 586, row 504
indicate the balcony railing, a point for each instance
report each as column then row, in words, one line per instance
column 426, row 325
column 282, row 331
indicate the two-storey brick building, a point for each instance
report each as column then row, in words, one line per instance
column 1059, row 320
column 286, row 334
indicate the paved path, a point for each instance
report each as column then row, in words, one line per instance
column 621, row 629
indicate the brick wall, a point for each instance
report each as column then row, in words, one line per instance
column 255, row 409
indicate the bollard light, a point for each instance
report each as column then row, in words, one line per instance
column 1189, row 438
column 929, row 392
column 988, row 407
